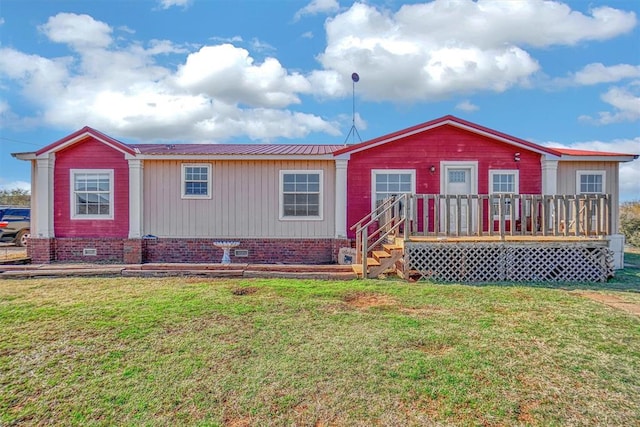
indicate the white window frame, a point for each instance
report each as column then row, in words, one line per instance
column 581, row 173
column 516, row 188
column 281, row 192
column 72, row 193
column 183, row 181
column 375, row 172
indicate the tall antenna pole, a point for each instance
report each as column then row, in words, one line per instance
column 353, row 131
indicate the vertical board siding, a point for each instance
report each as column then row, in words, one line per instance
column 420, row 151
column 90, row 154
column 244, row 202
column 567, row 183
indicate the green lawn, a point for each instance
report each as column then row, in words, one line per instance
column 179, row 351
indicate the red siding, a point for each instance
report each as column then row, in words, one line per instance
column 422, row 150
column 90, row 154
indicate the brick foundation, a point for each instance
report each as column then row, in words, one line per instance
column 41, row 251
column 106, row 250
column 261, row 251
column 138, row 251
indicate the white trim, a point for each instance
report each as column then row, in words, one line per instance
column 595, row 158
column 540, row 150
column 79, row 138
column 375, row 172
column 445, row 165
column 136, row 170
column 183, row 194
column 600, row 172
column 549, row 176
column 72, row 205
column 42, row 209
column 281, row 215
column 341, row 198
column 516, row 188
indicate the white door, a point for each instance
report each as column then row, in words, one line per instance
column 458, row 180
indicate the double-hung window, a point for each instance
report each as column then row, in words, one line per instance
column 196, row 181
column 92, row 194
column 503, row 182
column 301, row 194
column 387, row 183
column 590, row 182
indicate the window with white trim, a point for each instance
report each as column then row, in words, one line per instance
column 196, row 181
column 301, row 194
column 590, row 182
column 386, row 183
column 503, row 182
column 92, row 193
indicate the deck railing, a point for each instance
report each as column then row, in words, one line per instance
column 502, row 215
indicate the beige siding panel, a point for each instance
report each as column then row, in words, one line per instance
column 567, row 183
column 245, row 201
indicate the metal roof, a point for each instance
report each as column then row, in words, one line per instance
column 235, row 149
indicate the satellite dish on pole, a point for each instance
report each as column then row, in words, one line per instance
column 355, row 78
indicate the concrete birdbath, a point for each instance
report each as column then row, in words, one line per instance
column 226, row 247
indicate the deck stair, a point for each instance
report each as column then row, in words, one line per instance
column 385, row 261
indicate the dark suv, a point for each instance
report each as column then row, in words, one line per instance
column 15, row 225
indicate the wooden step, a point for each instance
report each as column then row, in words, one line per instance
column 372, row 262
column 357, row 268
column 381, row 254
column 390, row 248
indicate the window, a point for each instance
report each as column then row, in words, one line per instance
column 301, row 194
column 503, row 182
column 590, row 182
column 388, row 183
column 196, row 181
column 92, row 194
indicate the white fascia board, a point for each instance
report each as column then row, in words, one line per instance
column 619, row 159
column 81, row 137
column 25, row 156
column 460, row 126
column 200, row 157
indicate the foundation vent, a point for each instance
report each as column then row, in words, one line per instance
column 241, row 253
column 89, row 252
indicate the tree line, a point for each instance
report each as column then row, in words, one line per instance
column 15, row 197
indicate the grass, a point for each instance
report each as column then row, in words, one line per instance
column 285, row 352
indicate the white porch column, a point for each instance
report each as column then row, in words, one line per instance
column 44, row 197
column 341, row 198
column 549, row 176
column 136, row 169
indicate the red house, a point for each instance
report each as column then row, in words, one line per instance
column 98, row 199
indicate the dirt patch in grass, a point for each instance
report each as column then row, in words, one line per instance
column 365, row 300
column 244, row 291
column 613, row 301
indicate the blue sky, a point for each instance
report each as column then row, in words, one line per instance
column 556, row 73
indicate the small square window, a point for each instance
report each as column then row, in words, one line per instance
column 300, row 194
column 92, row 194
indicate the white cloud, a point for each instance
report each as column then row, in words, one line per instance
column 420, row 52
column 316, row 7
column 219, row 91
column 307, row 35
column 599, row 73
column 626, row 104
column 467, row 105
column 166, row 4
column 78, row 31
column 629, row 172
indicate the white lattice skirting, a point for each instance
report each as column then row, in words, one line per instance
column 509, row 261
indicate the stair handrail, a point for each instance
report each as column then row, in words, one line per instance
column 362, row 237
